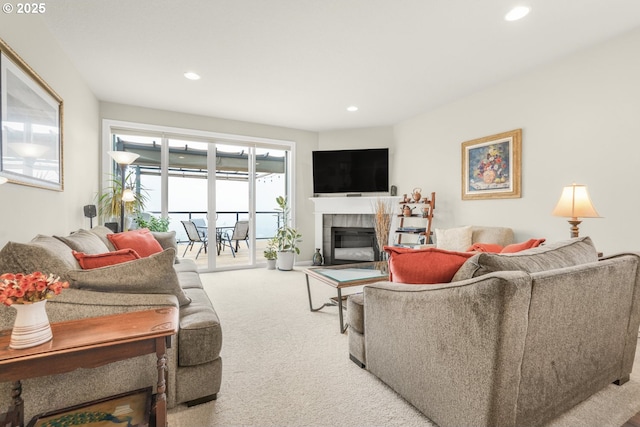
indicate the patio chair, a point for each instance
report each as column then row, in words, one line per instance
column 241, row 232
column 223, row 239
column 201, row 225
column 194, row 237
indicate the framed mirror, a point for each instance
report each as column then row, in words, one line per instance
column 31, row 121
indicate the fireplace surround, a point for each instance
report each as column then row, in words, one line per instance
column 344, row 212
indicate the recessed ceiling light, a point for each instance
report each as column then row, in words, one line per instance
column 352, row 108
column 516, row 13
column 191, row 75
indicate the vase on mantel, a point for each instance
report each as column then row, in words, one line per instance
column 31, row 327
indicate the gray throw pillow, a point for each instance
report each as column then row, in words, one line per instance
column 151, row 275
column 167, row 239
column 30, row 257
column 101, row 231
column 561, row 254
column 84, row 241
column 57, row 248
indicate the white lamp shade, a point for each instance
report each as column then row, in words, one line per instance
column 123, row 157
column 575, row 203
column 128, row 196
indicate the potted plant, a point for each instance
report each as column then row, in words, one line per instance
column 109, row 200
column 287, row 237
column 152, row 223
column 270, row 253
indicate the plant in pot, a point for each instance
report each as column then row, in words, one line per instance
column 109, row 200
column 152, row 223
column 287, row 237
column 271, row 254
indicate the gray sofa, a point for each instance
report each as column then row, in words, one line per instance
column 194, row 363
column 513, row 340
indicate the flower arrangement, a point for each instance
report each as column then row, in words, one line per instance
column 28, row 288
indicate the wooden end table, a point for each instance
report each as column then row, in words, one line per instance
column 344, row 276
column 89, row 343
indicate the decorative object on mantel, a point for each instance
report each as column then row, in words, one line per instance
column 491, row 166
column 575, row 203
column 417, row 194
column 27, row 294
column 383, row 211
column 317, row 258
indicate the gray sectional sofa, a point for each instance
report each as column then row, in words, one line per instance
column 159, row 280
column 513, row 340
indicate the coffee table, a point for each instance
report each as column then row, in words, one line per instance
column 344, row 276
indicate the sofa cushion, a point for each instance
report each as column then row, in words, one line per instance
column 30, row 257
column 189, row 279
column 485, row 247
column 355, row 312
column 150, row 275
column 517, row 247
column 424, row 266
column 167, row 239
column 141, row 241
column 502, row 236
column 58, row 248
column 89, row 261
column 454, row 239
column 84, row 241
column 200, row 334
column 561, row 254
column 102, row 232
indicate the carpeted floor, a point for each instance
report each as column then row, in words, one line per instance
column 286, row 366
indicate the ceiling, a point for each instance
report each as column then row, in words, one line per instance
column 301, row 63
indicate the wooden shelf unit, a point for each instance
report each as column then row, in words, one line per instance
column 417, row 223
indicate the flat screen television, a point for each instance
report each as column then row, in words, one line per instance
column 351, row 171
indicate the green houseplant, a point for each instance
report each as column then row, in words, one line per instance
column 287, row 237
column 152, row 223
column 108, row 200
column 271, row 254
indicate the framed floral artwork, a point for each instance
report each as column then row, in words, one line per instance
column 491, row 166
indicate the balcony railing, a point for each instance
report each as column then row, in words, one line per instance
column 267, row 222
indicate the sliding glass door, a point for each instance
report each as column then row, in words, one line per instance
column 225, row 187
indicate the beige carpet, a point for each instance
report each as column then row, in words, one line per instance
column 286, row 366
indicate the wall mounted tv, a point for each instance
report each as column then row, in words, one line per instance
column 351, row 171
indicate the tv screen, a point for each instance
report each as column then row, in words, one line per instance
column 351, row 171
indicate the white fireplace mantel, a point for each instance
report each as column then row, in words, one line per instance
column 345, row 205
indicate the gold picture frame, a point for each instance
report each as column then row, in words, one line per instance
column 31, row 124
column 126, row 409
column 491, row 166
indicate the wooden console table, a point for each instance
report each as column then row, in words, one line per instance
column 89, row 343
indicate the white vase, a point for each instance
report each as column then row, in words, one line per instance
column 31, row 327
column 285, row 260
column 271, row 264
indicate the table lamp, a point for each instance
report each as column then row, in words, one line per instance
column 123, row 159
column 575, row 203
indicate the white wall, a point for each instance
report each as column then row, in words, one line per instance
column 580, row 118
column 26, row 211
column 305, row 143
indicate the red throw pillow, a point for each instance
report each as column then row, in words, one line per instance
column 485, row 247
column 424, row 266
column 517, row 247
column 141, row 241
column 89, row 261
